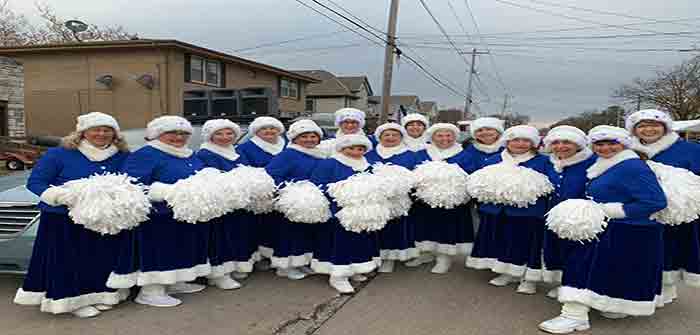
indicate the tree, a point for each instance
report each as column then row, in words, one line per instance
column 676, row 91
column 613, row 116
column 16, row 30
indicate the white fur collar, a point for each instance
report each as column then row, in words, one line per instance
column 95, row 154
column 560, row 164
column 416, row 144
column 183, row 152
column 315, row 152
column 228, row 152
column 272, row 149
column 358, row 165
column 386, row 153
column 508, row 158
column 438, row 154
column 339, row 133
column 488, row 148
column 657, row 147
column 603, row 164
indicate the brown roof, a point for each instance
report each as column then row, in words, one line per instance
column 426, row 106
column 328, row 86
column 148, row 43
column 355, row 83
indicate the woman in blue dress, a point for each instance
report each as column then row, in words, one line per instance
column 396, row 240
column 295, row 245
column 620, row 273
column 653, row 135
column 162, row 254
column 350, row 121
column 340, row 253
column 416, row 125
column 70, row 264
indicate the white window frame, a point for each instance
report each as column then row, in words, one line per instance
column 218, row 73
column 289, row 86
column 202, row 61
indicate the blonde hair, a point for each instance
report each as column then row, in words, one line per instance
column 72, row 141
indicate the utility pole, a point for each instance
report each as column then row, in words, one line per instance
column 639, row 102
column 472, row 71
column 389, row 61
column 505, row 105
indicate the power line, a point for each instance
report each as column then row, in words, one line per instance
column 356, row 17
column 444, row 32
column 459, row 21
column 491, row 57
column 280, row 43
column 338, row 22
column 383, row 39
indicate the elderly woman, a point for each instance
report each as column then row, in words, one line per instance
column 570, row 158
column 453, row 233
column 344, row 254
column 510, row 241
column 266, row 143
column 620, row 273
column 295, row 245
column 164, row 253
column 350, row 121
column 415, row 125
column 653, row 135
column 232, row 242
column 396, row 240
column 70, row 264
column 486, row 132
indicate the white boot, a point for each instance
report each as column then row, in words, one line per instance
column 280, row 272
column 420, row 260
column 103, row 307
column 503, row 280
column 442, row 264
column 86, row 312
column 154, row 295
column 239, row 275
column 342, row 284
column 669, row 293
column 527, row 287
column 613, row 315
column 224, row 283
column 184, row 287
column 564, row 325
column 553, row 293
column 387, row 266
column 358, row 277
column 295, row 274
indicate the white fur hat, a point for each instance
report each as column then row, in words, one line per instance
column 442, row 126
column 387, row 126
column 212, row 126
column 486, row 122
column 415, row 117
column 610, row 133
column 165, row 124
column 96, row 119
column 523, row 131
column 648, row 115
column 349, row 114
column 264, row 122
column 567, row 133
column 352, row 140
column 303, row 126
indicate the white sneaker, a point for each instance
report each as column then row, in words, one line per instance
column 613, row 315
column 281, row 272
column 669, row 293
column 553, row 293
column 157, row 300
column 564, row 325
column 224, row 283
column 420, row 260
column 503, row 280
column 86, row 312
column 527, row 287
column 359, row 278
column 295, row 274
column 239, row 275
column 442, row 264
column 183, row 287
column 103, row 307
column 387, row 266
column 341, row 284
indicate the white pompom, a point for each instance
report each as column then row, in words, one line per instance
column 257, row 185
column 107, row 203
column 682, row 189
column 198, row 198
column 399, row 182
column 364, row 201
column 303, row 202
column 441, row 185
column 399, row 206
column 577, row 220
column 508, row 184
column 369, row 217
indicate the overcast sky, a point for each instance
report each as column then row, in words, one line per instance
column 549, row 77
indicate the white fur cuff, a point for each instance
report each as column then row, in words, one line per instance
column 54, row 196
column 614, row 210
column 158, row 191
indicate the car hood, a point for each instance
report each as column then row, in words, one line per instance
column 19, row 194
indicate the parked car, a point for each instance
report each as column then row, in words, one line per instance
column 324, row 120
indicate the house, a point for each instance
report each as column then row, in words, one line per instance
column 335, row 92
column 138, row 80
column 11, row 98
column 399, row 106
column 429, row 110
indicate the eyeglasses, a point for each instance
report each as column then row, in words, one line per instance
column 178, row 133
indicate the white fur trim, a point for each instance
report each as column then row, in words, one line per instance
column 678, row 276
column 486, row 122
column 291, row 261
column 212, row 126
column 356, row 164
column 560, row 164
column 415, row 117
column 416, row 144
column 604, row 303
column 303, row 126
column 446, row 249
column 349, row 114
column 520, row 271
column 264, row 122
column 28, row 298
column 315, row 152
column 523, row 131
column 167, row 123
column 603, row 164
column 228, row 152
column 441, row 126
column 158, row 277
column 218, row 271
column 648, row 115
column 158, row 191
column 691, row 279
column 553, row 277
column 387, row 153
column 67, row 305
column 390, row 126
column 345, row 270
column 488, row 148
column 508, row 158
column 95, row 154
column 270, row 148
column 96, row 119
column 352, row 140
column 566, row 133
column 657, row 147
column 610, row 133
column 438, row 154
column 54, row 196
column 265, row 252
column 399, row 255
column 479, row 263
column 183, row 152
column 614, row 210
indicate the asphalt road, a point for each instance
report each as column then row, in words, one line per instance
column 409, row 301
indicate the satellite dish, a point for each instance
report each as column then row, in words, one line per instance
column 76, row 27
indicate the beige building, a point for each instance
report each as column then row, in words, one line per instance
column 136, row 81
column 335, row 92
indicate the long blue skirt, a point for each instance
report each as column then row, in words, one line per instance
column 345, row 253
column 294, row 246
column 164, row 251
column 556, row 253
column 487, row 245
column 621, row 272
column 682, row 254
column 69, row 267
column 397, row 240
column 268, row 232
column 444, row 231
column 233, row 243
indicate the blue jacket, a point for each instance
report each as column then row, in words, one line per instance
column 292, row 165
column 681, row 154
column 632, row 183
column 479, row 157
column 539, row 163
column 570, row 183
column 253, row 154
column 59, row 165
column 406, row 159
column 211, row 159
column 463, row 159
column 330, row 171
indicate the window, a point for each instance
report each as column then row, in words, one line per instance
column 309, row 105
column 204, row 71
column 289, row 88
column 196, row 70
column 213, row 73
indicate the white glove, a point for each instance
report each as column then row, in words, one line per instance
column 614, row 210
column 158, row 191
column 55, row 196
